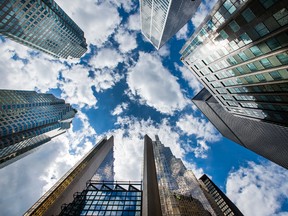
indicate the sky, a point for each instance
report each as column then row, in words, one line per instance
column 124, row 87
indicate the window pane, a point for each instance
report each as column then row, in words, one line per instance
column 275, row 75
column 266, row 63
column 261, row 29
column 268, row 3
column 256, row 51
column 248, row 15
column 234, row 26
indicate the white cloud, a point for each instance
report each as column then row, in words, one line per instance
column 192, row 80
column 36, row 71
column 203, row 130
column 128, row 6
column 129, row 142
column 24, row 181
column 106, row 57
column 258, row 189
column 155, row 85
column 203, row 10
column 164, row 51
column 183, row 32
column 97, row 19
column 134, row 22
column 127, row 41
column 119, row 109
column 105, row 79
column 77, row 87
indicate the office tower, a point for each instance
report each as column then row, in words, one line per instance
column 73, row 184
column 239, row 53
column 28, row 120
column 225, row 204
column 168, row 187
column 42, row 25
column 264, row 138
column 161, row 20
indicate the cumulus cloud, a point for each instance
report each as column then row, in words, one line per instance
column 204, row 132
column 155, row 85
column 127, row 41
column 98, row 20
column 258, row 189
column 29, row 178
column 119, row 109
column 203, row 10
column 183, row 32
column 129, row 141
column 134, row 22
column 187, row 75
column 164, row 51
column 17, row 63
column 106, row 57
column 76, row 87
column 105, row 79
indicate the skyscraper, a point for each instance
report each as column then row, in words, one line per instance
column 28, row 120
column 161, row 20
column 168, row 187
column 239, row 53
column 42, row 25
column 264, row 138
column 225, row 204
column 73, row 185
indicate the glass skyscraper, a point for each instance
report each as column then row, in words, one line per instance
column 264, row 138
column 28, row 120
column 168, row 187
column 162, row 19
column 42, row 25
column 239, row 53
column 225, row 204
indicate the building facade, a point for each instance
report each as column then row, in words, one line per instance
column 74, row 192
column 239, row 53
column 168, row 187
column 161, row 20
column 42, row 25
column 28, row 120
column 264, row 138
column 225, row 204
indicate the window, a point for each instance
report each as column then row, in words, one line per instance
column 229, row 6
column 283, row 58
column 243, row 56
column 248, row 15
column 275, row 75
column 256, row 51
column 245, row 38
column 231, row 60
column 261, row 29
column 273, row 44
column 268, row 3
column 266, row 63
column 234, row 26
column 252, row 67
column 260, row 77
column 223, row 34
column 282, row 16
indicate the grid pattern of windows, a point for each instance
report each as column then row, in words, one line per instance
column 42, row 25
column 107, row 198
column 158, row 23
column 28, row 119
column 242, row 54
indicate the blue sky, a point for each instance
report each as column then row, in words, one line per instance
column 123, row 87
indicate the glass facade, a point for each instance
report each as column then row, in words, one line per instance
column 180, row 192
column 162, row 19
column 224, row 203
column 242, row 60
column 42, row 25
column 28, row 120
column 107, row 198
